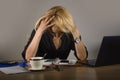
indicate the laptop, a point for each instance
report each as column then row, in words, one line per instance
column 109, row 52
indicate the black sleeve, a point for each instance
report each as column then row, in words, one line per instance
column 29, row 41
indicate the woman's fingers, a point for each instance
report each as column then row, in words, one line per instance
column 46, row 22
column 46, row 19
column 50, row 19
column 50, row 25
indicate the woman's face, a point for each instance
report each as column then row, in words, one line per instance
column 55, row 29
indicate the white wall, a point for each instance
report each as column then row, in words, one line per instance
column 95, row 18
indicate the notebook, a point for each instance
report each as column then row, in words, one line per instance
column 109, row 52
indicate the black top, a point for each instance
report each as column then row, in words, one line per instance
column 46, row 45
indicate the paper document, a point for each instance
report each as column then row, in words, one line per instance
column 60, row 62
column 13, row 70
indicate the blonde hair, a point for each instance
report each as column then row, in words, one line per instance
column 63, row 19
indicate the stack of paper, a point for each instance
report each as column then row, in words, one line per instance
column 13, row 70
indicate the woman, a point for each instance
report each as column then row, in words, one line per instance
column 54, row 35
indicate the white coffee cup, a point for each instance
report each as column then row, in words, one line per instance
column 36, row 62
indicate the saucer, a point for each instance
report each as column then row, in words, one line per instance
column 37, row 69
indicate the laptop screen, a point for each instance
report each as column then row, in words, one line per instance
column 109, row 52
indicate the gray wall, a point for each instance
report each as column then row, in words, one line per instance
column 95, row 19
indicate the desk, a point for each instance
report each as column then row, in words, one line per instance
column 111, row 72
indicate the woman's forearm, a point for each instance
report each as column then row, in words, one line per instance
column 81, row 51
column 80, row 48
column 32, row 48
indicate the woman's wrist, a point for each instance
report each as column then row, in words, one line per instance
column 77, row 40
column 40, row 31
column 76, row 34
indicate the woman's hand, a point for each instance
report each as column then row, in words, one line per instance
column 76, row 34
column 45, row 23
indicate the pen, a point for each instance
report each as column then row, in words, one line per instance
column 44, row 55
